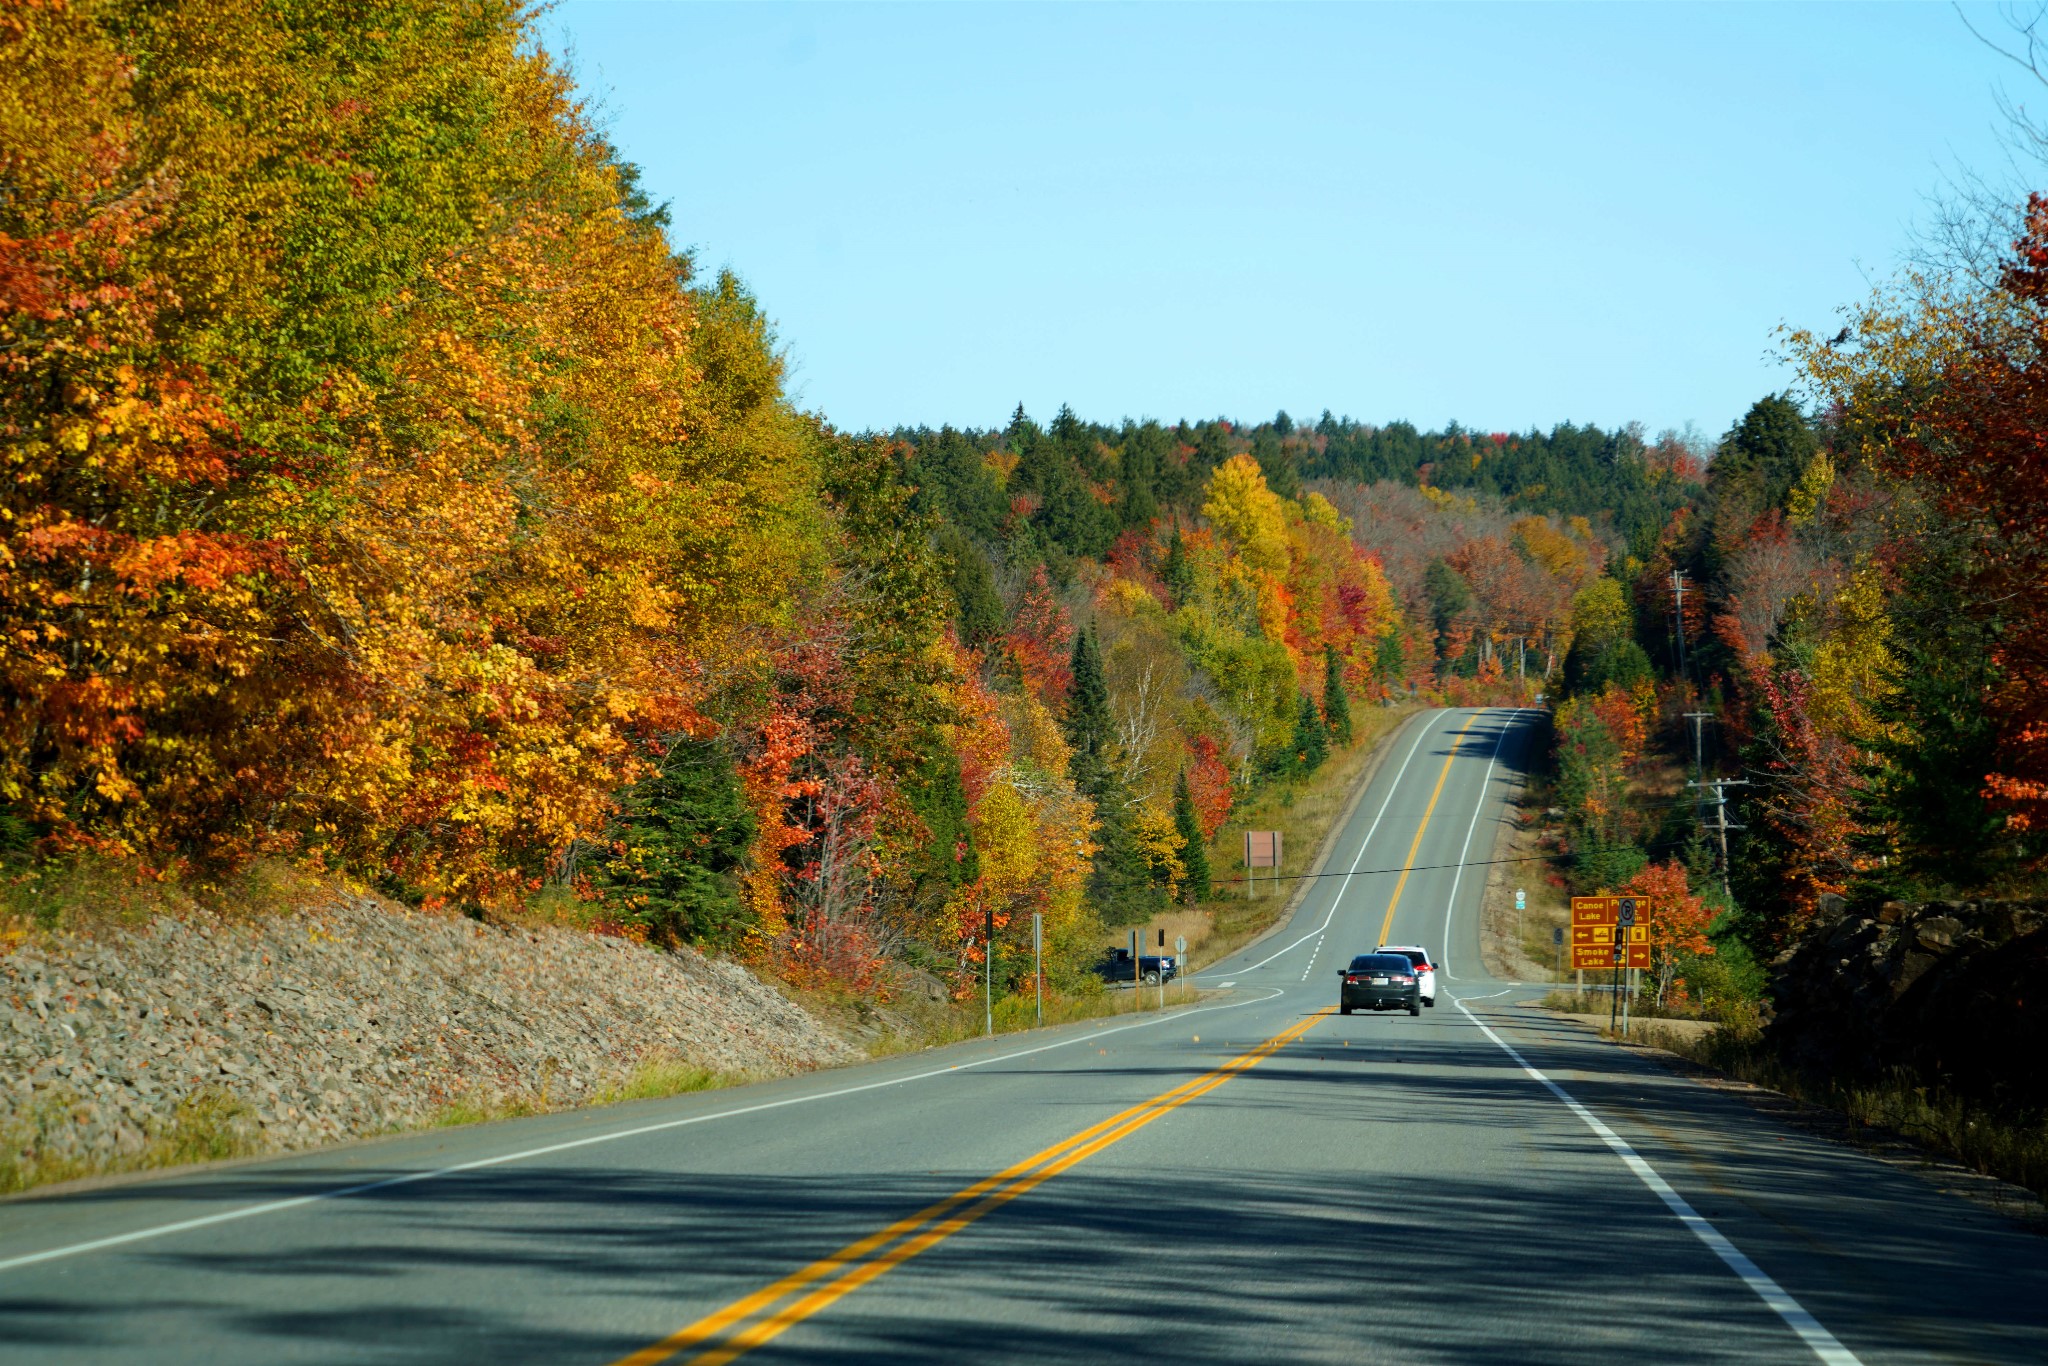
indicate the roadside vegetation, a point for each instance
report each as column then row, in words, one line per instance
column 436, row 525
column 440, row 528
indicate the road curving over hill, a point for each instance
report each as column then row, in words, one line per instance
column 1254, row 1178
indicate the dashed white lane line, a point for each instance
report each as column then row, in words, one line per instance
column 1312, row 958
column 1818, row 1340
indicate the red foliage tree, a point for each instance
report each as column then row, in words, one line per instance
column 1979, row 448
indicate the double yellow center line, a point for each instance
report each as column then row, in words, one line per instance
column 1408, row 864
column 749, row 1322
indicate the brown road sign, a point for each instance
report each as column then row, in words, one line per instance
column 1601, row 956
column 1592, row 910
column 1262, row 848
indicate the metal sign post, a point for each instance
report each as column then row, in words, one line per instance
column 1137, row 975
column 1261, row 850
column 1557, row 943
column 1180, row 957
column 1038, row 960
column 1162, row 969
column 1624, row 930
column 988, row 968
column 1521, row 905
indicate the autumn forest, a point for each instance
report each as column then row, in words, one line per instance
column 391, row 497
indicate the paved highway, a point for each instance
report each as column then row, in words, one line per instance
column 1254, row 1179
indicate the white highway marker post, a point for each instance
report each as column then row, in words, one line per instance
column 1180, row 955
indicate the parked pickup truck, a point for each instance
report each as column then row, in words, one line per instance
column 1153, row 968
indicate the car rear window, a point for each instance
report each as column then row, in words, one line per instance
column 1416, row 956
column 1380, row 962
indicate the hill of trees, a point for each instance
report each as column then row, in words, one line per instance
column 390, row 496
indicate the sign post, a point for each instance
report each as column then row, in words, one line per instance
column 1624, row 931
column 1180, row 958
column 1137, row 976
column 1521, row 905
column 1557, row 943
column 1162, row 969
column 1038, row 960
column 1261, row 850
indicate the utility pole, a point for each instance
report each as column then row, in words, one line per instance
column 1699, row 720
column 1720, row 786
column 1678, row 596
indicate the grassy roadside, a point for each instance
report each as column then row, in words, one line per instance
column 1886, row 1116
column 907, row 1026
column 213, row 1126
column 2009, row 1146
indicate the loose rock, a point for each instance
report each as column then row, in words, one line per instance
column 353, row 1018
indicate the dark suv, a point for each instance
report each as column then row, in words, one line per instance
column 1379, row 981
column 1152, row 968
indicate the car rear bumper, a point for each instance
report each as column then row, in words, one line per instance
column 1379, row 998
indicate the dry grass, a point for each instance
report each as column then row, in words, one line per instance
column 652, row 1079
column 968, row 1019
column 2009, row 1145
column 206, row 1127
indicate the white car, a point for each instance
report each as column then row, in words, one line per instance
column 1425, row 971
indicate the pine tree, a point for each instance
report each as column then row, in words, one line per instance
column 1177, row 571
column 1087, row 723
column 1336, row 706
column 1194, row 854
column 1311, row 743
column 679, row 848
column 947, row 857
column 979, row 608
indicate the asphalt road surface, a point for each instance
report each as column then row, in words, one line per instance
column 1253, row 1179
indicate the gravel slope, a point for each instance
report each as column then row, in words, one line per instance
column 350, row 1019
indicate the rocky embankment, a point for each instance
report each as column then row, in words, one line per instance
column 350, row 1019
column 1949, row 993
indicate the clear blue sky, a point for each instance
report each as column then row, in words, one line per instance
column 1511, row 216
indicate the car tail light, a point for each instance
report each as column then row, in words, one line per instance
column 1353, row 981
column 1400, row 977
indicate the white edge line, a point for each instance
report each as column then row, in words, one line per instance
column 410, row 1178
column 1337, row 900
column 1514, row 716
column 1819, row 1340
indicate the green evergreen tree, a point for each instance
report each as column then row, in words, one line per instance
column 946, row 858
column 1922, row 799
column 1390, row 660
column 679, row 847
column 1120, row 885
column 1311, row 743
column 978, row 607
column 1194, row 854
column 1177, row 570
column 1449, row 595
column 1336, row 706
column 1276, row 462
column 1086, row 722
